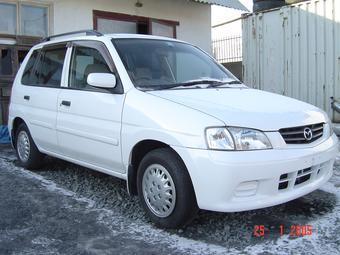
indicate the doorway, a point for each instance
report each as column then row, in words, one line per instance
column 112, row 22
column 11, row 57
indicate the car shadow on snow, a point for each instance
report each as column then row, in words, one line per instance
column 232, row 230
column 239, row 230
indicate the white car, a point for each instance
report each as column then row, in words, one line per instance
column 164, row 116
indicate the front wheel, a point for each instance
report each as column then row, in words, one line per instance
column 165, row 189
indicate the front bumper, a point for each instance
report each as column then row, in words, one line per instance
column 240, row 181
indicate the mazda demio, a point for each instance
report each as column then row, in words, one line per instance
column 163, row 115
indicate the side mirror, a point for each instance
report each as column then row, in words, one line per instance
column 102, row 80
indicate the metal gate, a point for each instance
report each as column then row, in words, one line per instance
column 295, row 51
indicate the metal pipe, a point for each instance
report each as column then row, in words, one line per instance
column 335, row 105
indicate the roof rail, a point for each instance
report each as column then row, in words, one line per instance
column 87, row 32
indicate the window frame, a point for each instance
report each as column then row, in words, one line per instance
column 103, row 50
column 133, row 18
column 18, row 5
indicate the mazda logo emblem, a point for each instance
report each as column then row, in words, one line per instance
column 308, row 134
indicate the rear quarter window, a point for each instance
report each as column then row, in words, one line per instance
column 26, row 77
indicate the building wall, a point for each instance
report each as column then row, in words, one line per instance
column 295, row 51
column 194, row 19
column 70, row 15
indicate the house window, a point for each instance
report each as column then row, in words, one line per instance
column 109, row 22
column 107, row 26
column 24, row 19
column 6, row 62
column 8, row 18
column 162, row 29
column 34, row 20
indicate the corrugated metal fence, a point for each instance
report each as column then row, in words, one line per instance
column 295, row 51
column 228, row 49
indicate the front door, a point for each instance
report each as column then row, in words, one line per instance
column 89, row 119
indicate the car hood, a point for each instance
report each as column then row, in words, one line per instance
column 245, row 107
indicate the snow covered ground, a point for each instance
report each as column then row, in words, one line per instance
column 63, row 198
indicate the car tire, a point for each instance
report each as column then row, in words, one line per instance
column 27, row 152
column 165, row 189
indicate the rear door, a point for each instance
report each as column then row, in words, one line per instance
column 37, row 95
column 89, row 119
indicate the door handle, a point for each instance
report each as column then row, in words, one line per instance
column 27, row 98
column 65, row 103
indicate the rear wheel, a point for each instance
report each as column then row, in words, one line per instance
column 27, row 152
column 165, row 189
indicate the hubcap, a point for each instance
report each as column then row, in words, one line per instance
column 159, row 190
column 23, row 146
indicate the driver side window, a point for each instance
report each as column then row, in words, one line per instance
column 84, row 61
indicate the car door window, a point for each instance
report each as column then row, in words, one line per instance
column 45, row 67
column 49, row 68
column 85, row 61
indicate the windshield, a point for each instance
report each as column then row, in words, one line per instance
column 161, row 64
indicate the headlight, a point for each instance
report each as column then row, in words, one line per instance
column 249, row 139
column 219, row 139
column 234, row 138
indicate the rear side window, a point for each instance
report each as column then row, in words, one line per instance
column 47, row 70
column 28, row 72
column 50, row 67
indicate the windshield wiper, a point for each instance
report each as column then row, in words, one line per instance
column 190, row 84
column 225, row 83
column 211, row 83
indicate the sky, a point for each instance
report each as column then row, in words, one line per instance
column 222, row 14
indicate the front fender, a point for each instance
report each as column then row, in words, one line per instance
column 149, row 117
column 134, row 135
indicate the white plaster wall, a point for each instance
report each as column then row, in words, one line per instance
column 194, row 18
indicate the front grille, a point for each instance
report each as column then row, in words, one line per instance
column 296, row 135
column 303, row 176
